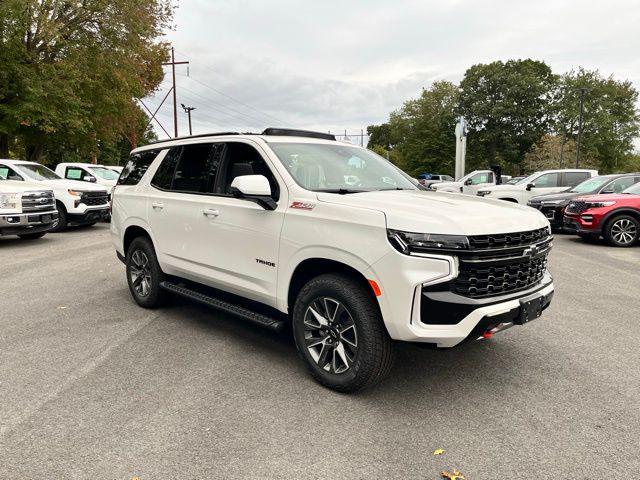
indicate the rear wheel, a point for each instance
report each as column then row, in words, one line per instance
column 32, row 236
column 143, row 273
column 622, row 231
column 340, row 335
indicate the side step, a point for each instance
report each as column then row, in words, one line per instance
column 237, row 310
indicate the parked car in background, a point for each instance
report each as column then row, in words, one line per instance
column 266, row 227
column 88, row 172
column 538, row 183
column 427, row 182
column 469, row 184
column 26, row 209
column 76, row 202
column 553, row 205
column 616, row 217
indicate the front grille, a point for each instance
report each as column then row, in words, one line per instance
column 501, row 264
column 95, row 199
column 576, row 207
column 38, row 201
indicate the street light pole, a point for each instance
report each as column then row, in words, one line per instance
column 582, row 92
column 188, row 111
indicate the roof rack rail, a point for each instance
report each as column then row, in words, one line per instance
column 186, row 137
column 288, row 132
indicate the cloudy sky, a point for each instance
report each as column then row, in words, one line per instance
column 334, row 65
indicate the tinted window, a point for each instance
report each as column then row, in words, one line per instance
column 74, row 173
column 619, row 185
column 164, row 175
column 197, row 168
column 136, row 167
column 243, row 159
column 547, row 180
column 571, row 179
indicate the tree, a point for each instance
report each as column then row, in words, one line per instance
column 421, row 132
column 506, row 105
column 72, row 69
column 610, row 122
column 380, row 135
column 551, row 152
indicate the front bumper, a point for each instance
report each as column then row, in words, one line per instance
column 89, row 216
column 575, row 224
column 24, row 223
column 554, row 213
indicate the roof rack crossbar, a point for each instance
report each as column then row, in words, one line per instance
column 288, row 132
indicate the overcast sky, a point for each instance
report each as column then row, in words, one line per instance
column 335, row 65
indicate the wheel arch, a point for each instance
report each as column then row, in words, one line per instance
column 313, row 267
column 619, row 211
column 131, row 233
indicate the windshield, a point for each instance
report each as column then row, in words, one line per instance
column 633, row 189
column 105, row 173
column 339, row 168
column 37, row 172
column 590, row 185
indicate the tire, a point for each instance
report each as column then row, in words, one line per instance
column 32, row 236
column 622, row 231
column 354, row 351
column 144, row 274
column 62, row 218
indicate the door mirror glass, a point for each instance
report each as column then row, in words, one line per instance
column 89, row 178
column 254, row 188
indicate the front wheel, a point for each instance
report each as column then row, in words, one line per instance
column 143, row 273
column 340, row 335
column 622, row 231
column 62, row 219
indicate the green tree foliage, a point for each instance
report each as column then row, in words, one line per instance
column 610, row 122
column 71, row 70
column 506, row 105
column 421, row 132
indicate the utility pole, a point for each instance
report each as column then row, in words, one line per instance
column 173, row 64
column 582, row 92
column 188, row 111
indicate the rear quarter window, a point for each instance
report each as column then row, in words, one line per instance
column 136, row 167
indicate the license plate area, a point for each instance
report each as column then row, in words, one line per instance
column 530, row 309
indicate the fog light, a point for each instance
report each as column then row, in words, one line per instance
column 587, row 218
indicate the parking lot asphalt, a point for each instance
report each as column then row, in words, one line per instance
column 94, row 387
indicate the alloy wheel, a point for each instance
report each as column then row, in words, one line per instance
column 330, row 335
column 624, row 231
column 140, row 273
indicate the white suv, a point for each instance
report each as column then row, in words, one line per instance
column 538, row 183
column 273, row 228
column 77, row 203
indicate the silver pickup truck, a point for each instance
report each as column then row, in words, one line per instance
column 26, row 210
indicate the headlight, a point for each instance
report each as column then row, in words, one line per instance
column 599, row 204
column 554, row 202
column 482, row 193
column 75, row 193
column 407, row 242
column 10, row 201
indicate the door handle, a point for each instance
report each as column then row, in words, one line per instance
column 157, row 206
column 210, row 212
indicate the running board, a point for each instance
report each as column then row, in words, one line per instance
column 237, row 310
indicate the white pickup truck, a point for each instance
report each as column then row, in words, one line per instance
column 26, row 210
column 77, row 203
column 469, row 184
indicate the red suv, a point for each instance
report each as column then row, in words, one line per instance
column 616, row 217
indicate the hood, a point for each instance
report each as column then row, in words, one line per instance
column 63, row 183
column 555, row 196
column 12, row 186
column 449, row 213
column 616, row 197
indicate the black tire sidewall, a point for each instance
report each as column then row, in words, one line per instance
column 609, row 236
column 154, row 297
column 364, row 312
column 62, row 218
column 32, row 236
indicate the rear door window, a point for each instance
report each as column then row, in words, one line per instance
column 190, row 169
column 136, row 167
column 571, row 179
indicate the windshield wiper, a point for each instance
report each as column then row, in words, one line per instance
column 341, row 191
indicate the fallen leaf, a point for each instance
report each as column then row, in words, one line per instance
column 62, row 307
column 438, row 451
column 454, row 475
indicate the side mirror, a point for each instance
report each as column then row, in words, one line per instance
column 89, row 178
column 254, row 188
column 607, row 191
column 530, row 186
column 468, row 182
